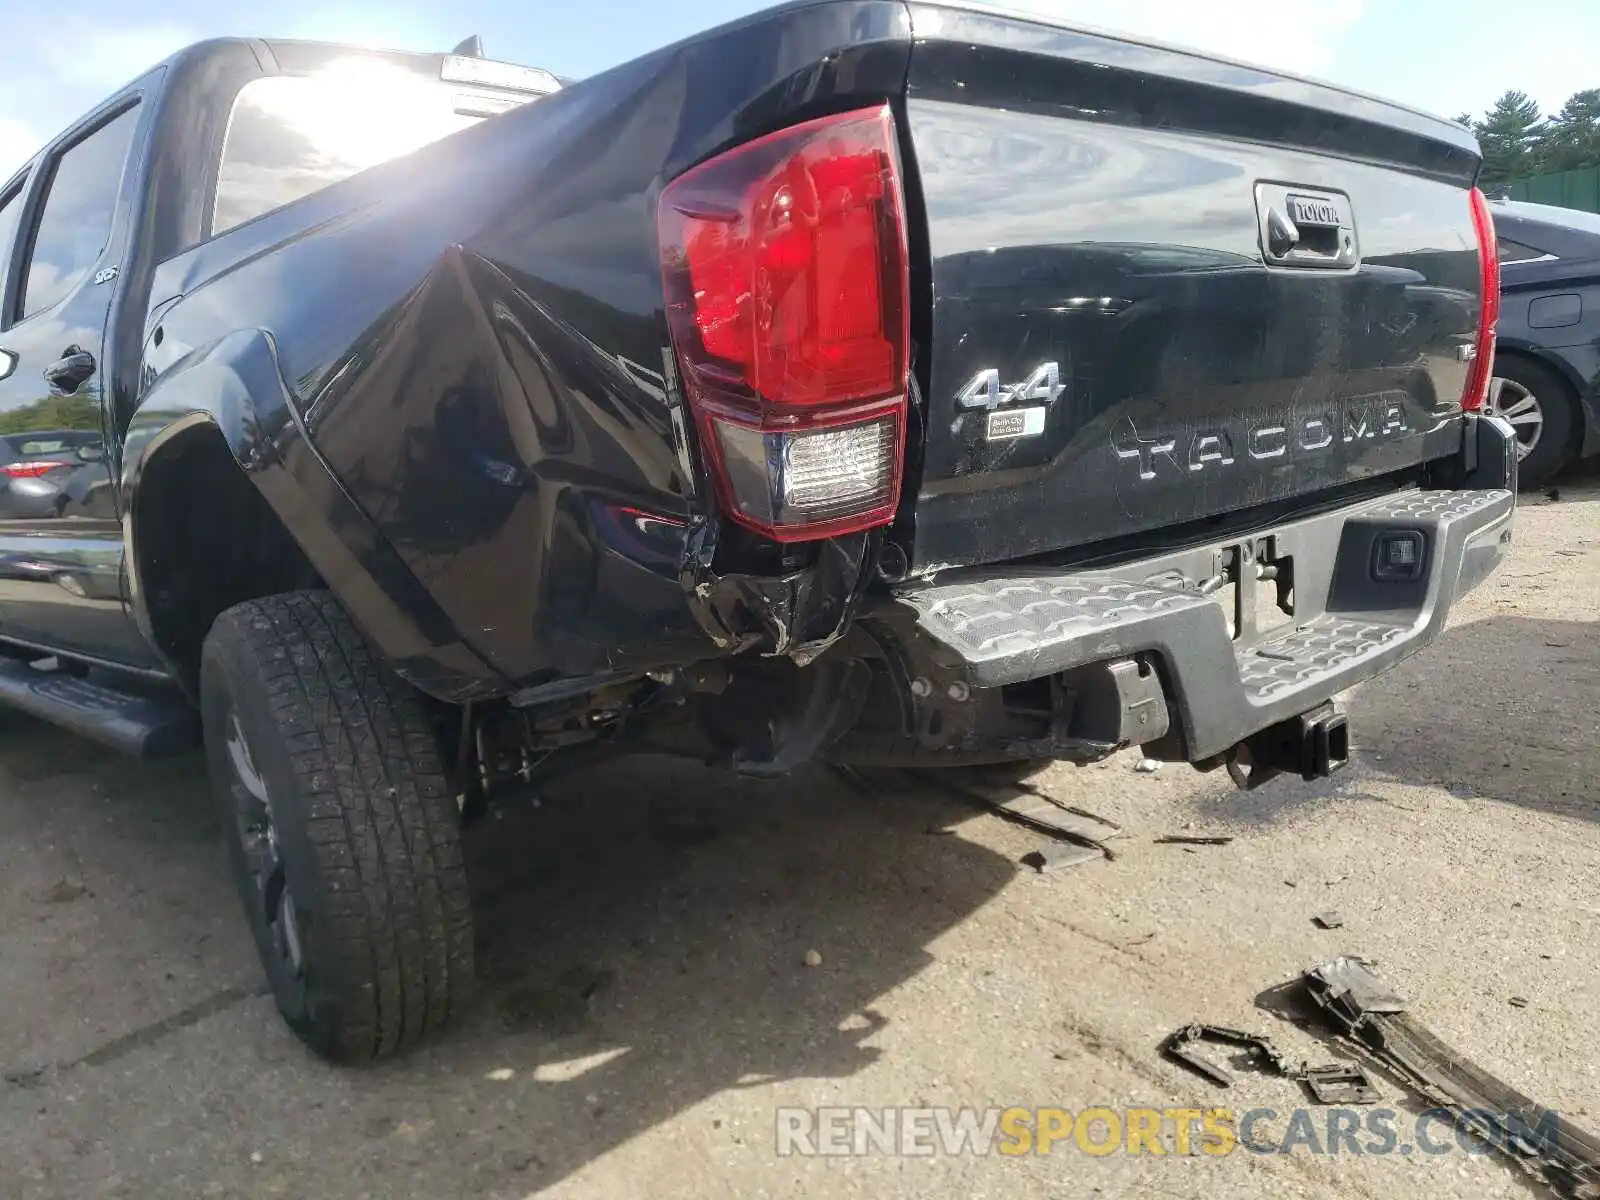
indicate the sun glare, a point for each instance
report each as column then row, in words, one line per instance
column 360, row 112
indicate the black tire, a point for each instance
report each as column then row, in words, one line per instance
column 1559, row 436
column 367, row 936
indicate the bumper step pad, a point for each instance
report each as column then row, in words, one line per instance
column 1018, row 626
column 1325, row 646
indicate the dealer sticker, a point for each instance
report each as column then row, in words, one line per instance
column 1009, row 423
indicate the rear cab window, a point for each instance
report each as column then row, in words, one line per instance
column 291, row 135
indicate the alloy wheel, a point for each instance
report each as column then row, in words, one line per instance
column 1513, row 402
column 252, row 807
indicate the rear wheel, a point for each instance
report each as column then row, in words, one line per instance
column 1541, row 409
column 341, row 827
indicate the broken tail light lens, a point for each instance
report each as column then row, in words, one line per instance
column 1481, row 367
column 785, row 269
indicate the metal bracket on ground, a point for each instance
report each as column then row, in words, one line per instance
column 1334, row 1083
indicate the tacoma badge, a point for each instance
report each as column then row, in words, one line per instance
column 1374, row 417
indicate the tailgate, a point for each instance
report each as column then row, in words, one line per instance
column 1166, row 288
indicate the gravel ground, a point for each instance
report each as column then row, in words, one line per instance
column 648, row 1003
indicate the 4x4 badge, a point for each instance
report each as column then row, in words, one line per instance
column 986, row 391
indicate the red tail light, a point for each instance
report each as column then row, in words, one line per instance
column 1482, row 366
column 784, row 262
column 30, row 470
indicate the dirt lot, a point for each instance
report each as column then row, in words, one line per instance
column 644, row 936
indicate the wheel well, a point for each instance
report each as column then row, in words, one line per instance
column 205, row 540
column 1550, row 365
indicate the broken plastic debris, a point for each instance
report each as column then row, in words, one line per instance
column 1536, row 1138
column 1047, row 860
column 1147, row 766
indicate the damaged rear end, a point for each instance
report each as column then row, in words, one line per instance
column 1022, row 393
column 1158, row 379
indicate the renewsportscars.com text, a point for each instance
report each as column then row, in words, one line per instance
column 1100, row 1131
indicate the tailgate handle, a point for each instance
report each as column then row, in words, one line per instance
column 1302, row 227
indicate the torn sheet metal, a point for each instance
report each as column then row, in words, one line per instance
column 1540, row 1140
column 798, row 614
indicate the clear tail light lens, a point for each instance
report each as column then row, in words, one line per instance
column 785, row 267
column 1482, row 366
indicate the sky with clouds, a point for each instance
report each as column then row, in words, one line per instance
column 1445, row 56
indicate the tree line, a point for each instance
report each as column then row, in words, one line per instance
column 1518, row 140
column 53, row 413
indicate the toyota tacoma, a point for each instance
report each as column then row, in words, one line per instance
column 873, row 382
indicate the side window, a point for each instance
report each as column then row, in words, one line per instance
column 10, row 217
column 76, row 221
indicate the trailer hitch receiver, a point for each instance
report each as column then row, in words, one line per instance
column 1313, row 746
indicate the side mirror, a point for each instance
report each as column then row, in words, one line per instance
column 92, row 452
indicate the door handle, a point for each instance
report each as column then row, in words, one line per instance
column 8, row 363
column 69, row 372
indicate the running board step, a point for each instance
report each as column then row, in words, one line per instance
column 141, row 724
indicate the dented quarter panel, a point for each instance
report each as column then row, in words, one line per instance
column 472, row 339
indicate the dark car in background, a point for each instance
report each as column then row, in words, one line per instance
column 36, row 469
column 1547, row 363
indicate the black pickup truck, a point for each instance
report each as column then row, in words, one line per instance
column 871, row 381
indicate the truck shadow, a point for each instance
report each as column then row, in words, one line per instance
column 1503, row 708
column 643, row 939
column 643, row 949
